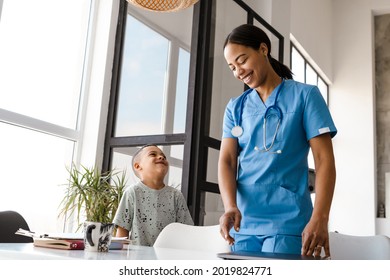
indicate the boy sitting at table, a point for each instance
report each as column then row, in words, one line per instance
column 149, row 205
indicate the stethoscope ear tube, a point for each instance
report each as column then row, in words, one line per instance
column 237, row 130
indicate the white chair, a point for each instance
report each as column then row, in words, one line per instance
column 196, row 238
column 351, row 247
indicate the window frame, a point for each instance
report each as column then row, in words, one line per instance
column 41, row 126
column 1, row 8
column 76, row 134
column 306, row 62
column 174, row 46
column 169, row 95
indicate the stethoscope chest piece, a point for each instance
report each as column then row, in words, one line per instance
column 237, row 131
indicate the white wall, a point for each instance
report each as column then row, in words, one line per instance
column 339, row 37
column 354, row 146
column 311, row 25
column 353, row 107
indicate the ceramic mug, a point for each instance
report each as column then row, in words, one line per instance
column 97, row 236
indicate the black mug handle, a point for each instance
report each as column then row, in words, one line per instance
column 89, row 234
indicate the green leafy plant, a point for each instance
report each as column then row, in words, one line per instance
column 92, row 194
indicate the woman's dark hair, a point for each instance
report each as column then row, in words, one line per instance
column 251, row 36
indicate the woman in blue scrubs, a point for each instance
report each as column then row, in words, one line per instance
column 263, row 167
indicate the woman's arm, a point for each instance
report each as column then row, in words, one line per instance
column 316, row 231
column 227, row 172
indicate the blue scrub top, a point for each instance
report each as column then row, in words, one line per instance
column 272, row 188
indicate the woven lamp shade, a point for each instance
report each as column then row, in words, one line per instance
column 163, row 5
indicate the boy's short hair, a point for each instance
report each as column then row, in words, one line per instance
column 137, row 153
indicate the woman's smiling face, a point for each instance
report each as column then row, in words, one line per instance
column 248, row 65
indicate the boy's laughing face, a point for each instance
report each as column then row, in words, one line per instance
column 151, row 162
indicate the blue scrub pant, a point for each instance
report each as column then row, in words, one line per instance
column 286, row 244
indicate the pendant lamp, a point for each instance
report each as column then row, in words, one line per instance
column 163, row 5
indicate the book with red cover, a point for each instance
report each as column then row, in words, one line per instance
column 65, row 244
column 68, row 241
column 72, row 244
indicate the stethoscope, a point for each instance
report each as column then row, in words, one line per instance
column 274, row 109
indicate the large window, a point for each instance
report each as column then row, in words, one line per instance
column 304, row 72
column 144, row 66
column 146, row 103
column 151, row 96
column 42, row 57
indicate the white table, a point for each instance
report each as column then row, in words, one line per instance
column 27, row 251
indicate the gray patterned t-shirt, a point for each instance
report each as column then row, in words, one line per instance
column 144, row 212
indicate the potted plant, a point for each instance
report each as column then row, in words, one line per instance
column 92, row 195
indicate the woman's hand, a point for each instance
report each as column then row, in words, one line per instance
column 229, row 219
column 315, row 236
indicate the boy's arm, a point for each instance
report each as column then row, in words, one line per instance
column 123, row 218
column 121, row 232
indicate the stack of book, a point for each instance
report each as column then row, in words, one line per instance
column 68, row 241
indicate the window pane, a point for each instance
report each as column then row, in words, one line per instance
column 311, row 75
column 323, row 89
column 42, row 54
column 122, row 157
column 142, row 85
column 213, row 208
column 212, row 165
column 177, row 151
column 311, row 160
column 181, row 92
column 34, row 175
column 228, row 16
column 273, row 39
column 297, row 66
